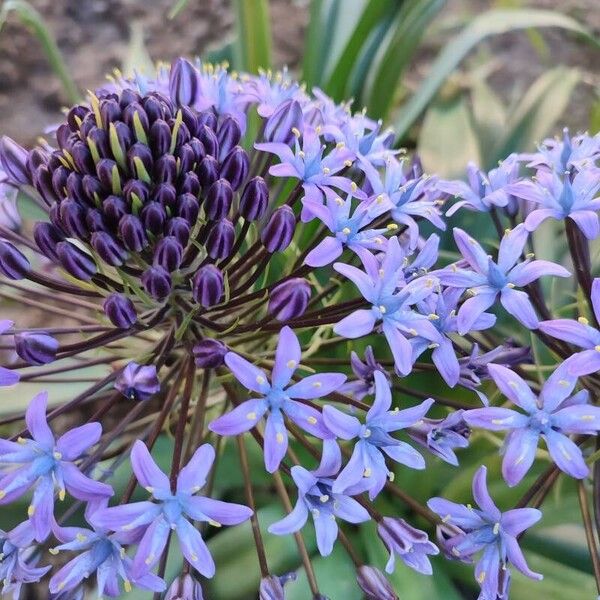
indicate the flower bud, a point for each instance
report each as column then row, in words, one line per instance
column 13, row 263
column 209, row 353
column 75, row 261
column 220, row 239
column 168, row 253
column 154, row 217
column 188, row 208
column 82, row 157
column 208, row 118
column 13, row 159
column 94, row 220
column 289, row 299
column 218, row 199
column 120, row 310
column 76, row 115
column 271, row 587
column 179, row 228
column 235, row 167
column 157, row 282
column 186, row 157
column 114, row 209
column 279, row 231
column 166, row 194
column 160, row 138
column 46, row 237
column 132, row 233
column 75, row 187
column 72, row 216
column 207, row 286
column 165, row 169
column 208, row 171
column 188, row 116
column 36, row 348
column 92, row 187
column 254, row 199
column 190, row 184
column 209, row 140
column 139, row 159
column 129, row 117
column 154, row 108
column 110, row 111
column 184, row 587
column 286, row 117
column 138, row 382
column 108, row 249
column 59, row 180
column 228, row 135
column 375, row 584
column 135, row 191
column 183, row 82
column 43, row 182
column 99, row 138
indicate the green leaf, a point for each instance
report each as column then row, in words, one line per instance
column 411, row 23
column 448, row 141
column 33, row 20
column 489, row 118
column 137, row 59
column 538, row 111
column 253, row 45
column 492, row 22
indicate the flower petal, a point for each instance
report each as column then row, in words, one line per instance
column 287, row 357
column 307, row 417
column 250, row 376
column 481, row 494
column 471, row 250
column 583, row 418
column 75, row 442
column 566, row 454
column 35, row 418
column 356, row 324
column 327, row 531
column 293, row 522
column 571, row 331
column 324, row 253
column 194, row 548
column 519, row 454
column 151, row 546
column 513, row 387
column 341, row 424
column 517, row 559
column 517, row 304
column 517, row 520
column 473, row 308
column 276, row 441
column 146, row 470
column 495, row 418
column 200, row 508
column 511, row 247
column 383, row 396
column 316, row 386
column 193, row 476
column 242, row 418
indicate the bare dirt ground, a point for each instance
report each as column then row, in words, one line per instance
column 94, row 37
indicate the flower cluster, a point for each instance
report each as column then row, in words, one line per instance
column 212, row 273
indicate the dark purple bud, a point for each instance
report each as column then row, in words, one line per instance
column 235, row 167
column 209, row 140
column 82, row 157
column 36, row 348
column 279, row 231
column 124, row 136
column 228, row 135
column 208, row 118
column 184, row 587
column 114, row 208
column 99, row 138
column 120, row 310
column 138, row 382
column 289, row 299
column 157, row 282
column 128, row 97
column 13, row 263
column 63, row 135
column 72, row 216
column 75, row 261
column 43, row 182
column 190, row 184
column 198, row 149
column 209, row 353
column 154, row 217
column 88, row 123
column 255, row 199
column 374, row 584
column 207, row 286
column 109, row 250
column 139, row 159
column 53, row 214
column 220, row 239
column 183, row 133
column 93, row 188
column 104, row 170
column 59, row 181
column 94, row 220
column 208, row 171
column 188, row 116
column 46, row 237
column 179, row 228
column 132, row 233
column 75, row 187
column 186, row 158
column 154, row 108
column 35, row 159
column 136, row 188
column 165, row 169
column 76, row 115
column 168, row 253
column 183, row 82
column 160, row 138
column 129, row 117
column 109, row 111
column 218, row 199
column 165, row 193
column 188, row 208
column 285, row 118
column 271, row 587
column 13, row 159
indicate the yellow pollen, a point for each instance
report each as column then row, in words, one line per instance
column 481, row 577
column 379, row 199
column 53, row 551
column 347, row 163
column 194, row 557
column 563, row 382
column 260, row 379
column 378, row 240
column 446, row 519
column 367, row 433
column 499, row 421
column 318, row 129
column 61, row 585
column 510, row 285
column 339, row 201
column 353, row 186
column 381, row 272
column 597, row 348
column 149, row 489
column 470, row 506
column 317, row 384
column 392, row 226
column 326, row 170
column 214, row 523
column 346, row 231
column 530, row 255
column 279, row 438
column 149, row 559
column 391, row 476
column 251, row 416
column 367, row 472
column 127, row 585
column 21, row 440
column 382, row 309
column 433, row 317
column 80, row 537
column 296, row 131
column 301, row 154
column 412, row 331
column 583, row 320
column 31, row 510
column 587, row 417
column 61, row 495
column 340, row 145
column 291, row 364
column 312, row 420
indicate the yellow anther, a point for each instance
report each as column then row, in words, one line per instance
column 31, row 510
column 367, row 472
column 279, row 437
column 587, row 417
column 510, row 285
column 149, row 560
column 127, row 585
column 347, row 163
column 481, row 577
column 339, row 201
column 391, row 476
column 513, row 384
column 340, row 145
column 346, row 231
column 296, row 131
column 214, row 523
column 194, row 557
column 312, row 420
column 433, row 317
column 496, row 528
column 455, row 551
column 382, row 309
column 583, row 321
column 367, row 433
column 291, row 364
column 251, row 416
column 353, row 186
column 53, row 551
column 324, row 498
column 57, row 455
column 446, row 519
column 381, row 273
column 80, row 537
column 378, row 240
column 392, row 227
column 506, row 231
column 21, row 440
column 326, row 170
column 61, row 495
column 413, row 331
column 260, row 379
column 301, row 154
column 597, row 348
column 530, row 255
column 317, row 384
column 563, row 382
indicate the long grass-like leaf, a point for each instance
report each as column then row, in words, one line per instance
column 33, row 21
column 490, row 23
column 253, row 47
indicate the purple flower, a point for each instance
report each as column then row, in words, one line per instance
column 307, row 162
column 393, row 308
column 316, row 495
column 7, row 376
column 364, row 385
column 173, row 510
column 185, row 587
column 138, row 382
column 491, row 532
column 562, row 196
column 374, row 584
column 348, row 231
column 554, row 414
column 408, row 198
column 487, row 279
column 367, row 463
column 101, row 553
column 440, row 309
column 270, row 90
column 442, row 436
column 409, row 544
column 46, row 463
column 278, row 398
column 580, row 333
column 271, row 587
column 483, row 190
